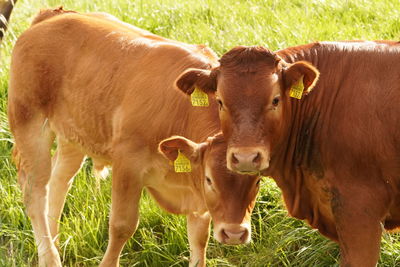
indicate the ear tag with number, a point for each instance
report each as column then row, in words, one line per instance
column 297, row 89
column 199, row 98
column 182, row 163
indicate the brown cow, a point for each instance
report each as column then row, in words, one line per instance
column 104, row 89
column 336, row 152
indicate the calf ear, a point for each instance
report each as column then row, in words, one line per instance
column 170, row 147
column 205, row 80
column 302, row 74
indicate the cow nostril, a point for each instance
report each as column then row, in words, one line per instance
column 257, row 158
column 234, row 235
column 234, row 159
column 224, row 235
column 243, row 238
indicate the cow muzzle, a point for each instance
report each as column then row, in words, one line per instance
column 247, row 160
column 232, row 234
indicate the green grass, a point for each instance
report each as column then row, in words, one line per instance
column 161, row 238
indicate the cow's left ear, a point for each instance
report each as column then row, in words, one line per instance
column 170, row 147
column 205, row 80
column 300, row 75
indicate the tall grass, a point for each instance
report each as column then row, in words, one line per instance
column 161, row 238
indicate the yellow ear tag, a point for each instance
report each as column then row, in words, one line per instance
column 297, row 89
column 199, row 98
column 182, row 163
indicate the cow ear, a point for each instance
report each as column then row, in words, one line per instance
column 205, row 80
column 170, row 147
column 301, row 75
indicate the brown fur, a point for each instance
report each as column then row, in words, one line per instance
column 104, row 88
column 242, row 59
column 45, row 14
column 335, row 152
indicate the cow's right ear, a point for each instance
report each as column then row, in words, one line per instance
column 303, row 74
column 170, row 147
column 205, row 80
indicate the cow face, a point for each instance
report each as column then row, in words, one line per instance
column 252, row 86
column 230, row 197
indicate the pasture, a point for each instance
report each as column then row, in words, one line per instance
column 160, row 240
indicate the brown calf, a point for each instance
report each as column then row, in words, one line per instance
column 103, row 88
column 334, row 152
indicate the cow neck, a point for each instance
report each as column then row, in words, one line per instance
column 297, row 155
column 197, row 187
column 202, row 122
column 195, row 123
column 196, row 178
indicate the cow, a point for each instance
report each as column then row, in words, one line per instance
column 104, row 89
column 322, row 119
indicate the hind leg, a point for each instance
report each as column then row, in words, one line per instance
column 66, row 163
column 33, row 140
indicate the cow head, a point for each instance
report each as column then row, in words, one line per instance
column 252, row 86
column 230, row 197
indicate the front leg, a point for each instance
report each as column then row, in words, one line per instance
column 198, row 228
column 358, row 212
column 124, row 217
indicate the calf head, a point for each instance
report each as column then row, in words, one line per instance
column 230, row 197
column 252, row 86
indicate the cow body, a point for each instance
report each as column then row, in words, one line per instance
column 103, row 88
column 345, row 135
column 341, row 167
column 335, row 153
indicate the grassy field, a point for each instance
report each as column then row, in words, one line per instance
column 161, row 238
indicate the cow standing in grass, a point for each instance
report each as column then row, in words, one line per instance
column 335, row 151
column 103, row 88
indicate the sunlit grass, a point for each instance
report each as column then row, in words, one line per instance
column 278, row 240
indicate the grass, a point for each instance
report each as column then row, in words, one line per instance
column 278, row 240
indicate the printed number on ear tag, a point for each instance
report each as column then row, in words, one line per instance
column 199, row 98
column 297, row 89
column 182, row 163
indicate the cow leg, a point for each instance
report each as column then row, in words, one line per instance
column 66, row 163
column 124, row 217
column 198, row 228
column 33, row 139
column 359, row 240
column 358, row 216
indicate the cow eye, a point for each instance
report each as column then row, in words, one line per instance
column 221, row 105
column 208, row 181
column 276, row 100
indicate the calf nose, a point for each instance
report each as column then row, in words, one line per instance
column 235, row 236
column 246, row 161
